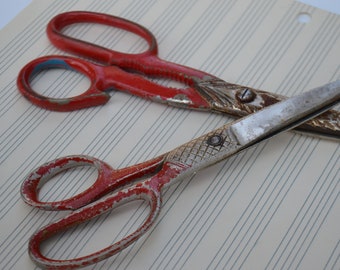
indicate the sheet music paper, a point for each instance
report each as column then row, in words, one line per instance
column 275, row 206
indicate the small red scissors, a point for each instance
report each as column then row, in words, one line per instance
column 203, row 91
column 161, row 171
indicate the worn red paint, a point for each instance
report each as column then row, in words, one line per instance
column 160, row 173
column 108, row 180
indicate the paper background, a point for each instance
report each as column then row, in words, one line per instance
column 273, row 206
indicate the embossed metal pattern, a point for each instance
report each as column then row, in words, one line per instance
column 239, row 100
column 202, row 149
column 234, row 99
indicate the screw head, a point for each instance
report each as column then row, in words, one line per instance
column 215, row 140
column 245, row 95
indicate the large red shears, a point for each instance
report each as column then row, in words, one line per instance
column 126, row 72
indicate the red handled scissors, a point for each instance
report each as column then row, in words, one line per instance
column 126, row 72
column 175, row 165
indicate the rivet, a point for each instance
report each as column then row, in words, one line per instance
column 215, row 140
column 245, row 95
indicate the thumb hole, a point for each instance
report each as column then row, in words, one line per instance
column 59, row 83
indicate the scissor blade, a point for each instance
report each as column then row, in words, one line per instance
column 286, row 114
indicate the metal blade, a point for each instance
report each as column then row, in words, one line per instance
column 286, row 114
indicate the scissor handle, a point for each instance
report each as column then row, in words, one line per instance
column 85, row 208
column 93, row 96
column 114, row 75
column 140, row 191
column 107, row 180
column 146, row 61
column 101, row 79
column 90, row 50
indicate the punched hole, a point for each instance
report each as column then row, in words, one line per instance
column 304, row 17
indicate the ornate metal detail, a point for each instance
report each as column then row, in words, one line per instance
column 239, row 101
column 232, row 98
column 203, row 150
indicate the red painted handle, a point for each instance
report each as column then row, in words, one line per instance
column 108, row 180
column 93, row 51
column 91, row 97
column 101, row 79
column 140, row 191
column 115, row 75
column 146, row 62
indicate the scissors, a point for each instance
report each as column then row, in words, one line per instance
column 129, row 72
column 146, row 180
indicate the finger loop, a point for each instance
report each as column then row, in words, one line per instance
column 37, row 178
column 91, row 97
column 89, row 212
column 90, row 50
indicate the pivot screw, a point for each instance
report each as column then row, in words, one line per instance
column 245, row 95
column 215, row 140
